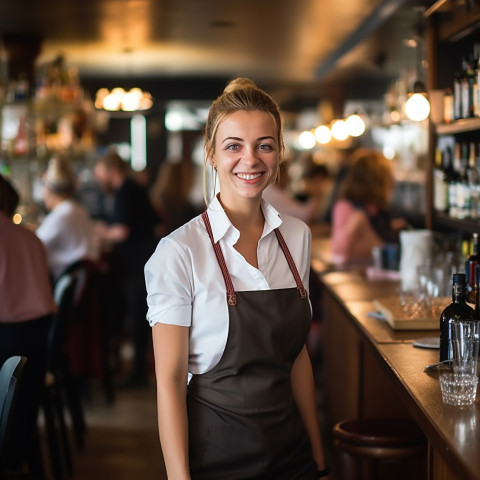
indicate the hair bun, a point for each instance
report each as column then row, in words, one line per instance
column 239, row 83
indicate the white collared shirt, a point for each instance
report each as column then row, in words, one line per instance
column 185, row 285
column 67, row 233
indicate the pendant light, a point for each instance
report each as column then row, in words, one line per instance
column 121, row 100
column 417, row 106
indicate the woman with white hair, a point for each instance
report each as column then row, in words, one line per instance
column 66, row 231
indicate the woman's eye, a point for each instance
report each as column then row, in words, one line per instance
column 266, row 147
column 233, row 147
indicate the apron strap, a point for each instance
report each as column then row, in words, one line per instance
column 232, row 298
column 291, row 263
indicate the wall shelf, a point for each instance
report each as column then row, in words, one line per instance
column 459, row 126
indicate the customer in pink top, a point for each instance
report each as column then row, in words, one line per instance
column 26, row 307
column 361, row 219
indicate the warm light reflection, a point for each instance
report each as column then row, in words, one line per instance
column 323, row 134
column 17, row 219
column 339, row 130
column 127, row 101
column 307, row 140
column 417, row 107
column 355, row 125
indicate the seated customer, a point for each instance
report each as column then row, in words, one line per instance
column 360, row 219
column 66, row 231
column 26, row 306
column 279, row 195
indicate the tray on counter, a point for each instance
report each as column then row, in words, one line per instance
column 398, row 317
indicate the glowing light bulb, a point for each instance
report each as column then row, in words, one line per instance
column 323, row 134
column 131, row 100
column 417, row 107
column 307, row 140
column 355, row 125
column 339, row 130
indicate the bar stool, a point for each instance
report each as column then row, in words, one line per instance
column 365, row 446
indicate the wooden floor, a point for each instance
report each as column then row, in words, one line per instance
column 122, row 438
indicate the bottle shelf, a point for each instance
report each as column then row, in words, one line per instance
column 459, row 126
column 467, row 226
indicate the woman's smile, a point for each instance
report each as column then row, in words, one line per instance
column 249, row 176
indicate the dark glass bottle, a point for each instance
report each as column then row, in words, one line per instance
column 456, row 310
column 470, row 268
column 477, row 292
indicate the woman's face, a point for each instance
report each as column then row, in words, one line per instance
column 246, row 155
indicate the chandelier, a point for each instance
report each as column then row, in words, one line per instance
column 120, row 100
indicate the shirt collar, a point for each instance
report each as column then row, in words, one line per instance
column 221, row 225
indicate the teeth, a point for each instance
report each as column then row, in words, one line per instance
column 248, row 176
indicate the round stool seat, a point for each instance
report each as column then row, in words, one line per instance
column 379, row 432
column 366, row 443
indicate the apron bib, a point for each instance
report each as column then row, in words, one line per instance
column 243, row 420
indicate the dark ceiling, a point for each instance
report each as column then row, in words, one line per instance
column 302, row 50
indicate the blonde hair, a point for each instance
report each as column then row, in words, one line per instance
column 369, row 179
column 60, row 177
column 241, row 94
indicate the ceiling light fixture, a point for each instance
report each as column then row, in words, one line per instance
column 120, row 100
column 323, row 134
column 339, row 130
column 355, row 125
column 417, row 106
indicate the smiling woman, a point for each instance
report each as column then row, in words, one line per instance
column 210, row 284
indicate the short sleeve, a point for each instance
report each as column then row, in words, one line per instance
column 168, row 278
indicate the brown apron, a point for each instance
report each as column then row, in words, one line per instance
column 243, row 420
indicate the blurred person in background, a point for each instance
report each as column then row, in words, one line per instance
column 26, row 309
column 129, row 237
column 170, row 194
column 342, row 159
column 361, row 218
column 281, row 197
column 67, row 231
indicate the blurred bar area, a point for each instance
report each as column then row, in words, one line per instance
column 102, row 110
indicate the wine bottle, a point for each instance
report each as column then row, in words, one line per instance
column 477, row 292
column 456, row 310
column 470, row 268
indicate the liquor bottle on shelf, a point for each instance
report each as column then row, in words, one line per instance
column 456, row 310
column 457, row 96
column 440, row 185
column 454, row 182
column 471, row 267
column 464, row 199
column 477, row 292
column 468, row 88
column 448, row 108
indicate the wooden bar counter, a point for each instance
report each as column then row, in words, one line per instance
column 372, row 370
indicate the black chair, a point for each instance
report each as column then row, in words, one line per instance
column 10, row 375
column 58, row 384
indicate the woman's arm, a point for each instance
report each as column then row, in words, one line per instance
column 170, row 345
column 304, row 393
